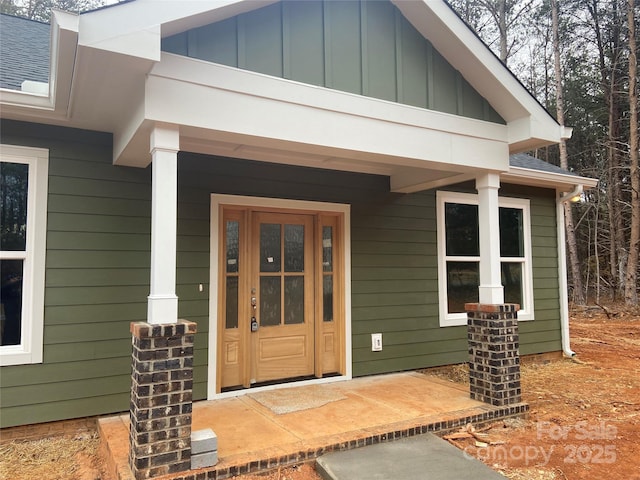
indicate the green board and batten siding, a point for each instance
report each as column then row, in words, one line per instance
column 365, row 48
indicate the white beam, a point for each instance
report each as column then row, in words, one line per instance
column 491, row 290
column 162, row 300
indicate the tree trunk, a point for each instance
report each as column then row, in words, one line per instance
column 574, row 262
column 631, row 291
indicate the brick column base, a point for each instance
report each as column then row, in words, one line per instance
column 494, row 359
column 161, row 398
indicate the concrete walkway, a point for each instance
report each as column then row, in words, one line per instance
column 264, row 430
column 424, row 457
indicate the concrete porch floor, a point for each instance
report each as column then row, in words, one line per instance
column 359, row 412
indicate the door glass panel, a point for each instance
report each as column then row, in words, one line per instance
column 463, row 279
column 11, row 307
column 14, row 178
column 293, row 300
column 512, row 282
column 269, row 247
column 294, row 248
column 327, row 249
column 270, row 298
column 231, row 320
column 327, row 298
column 233, row 229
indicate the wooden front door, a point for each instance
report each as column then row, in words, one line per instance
column 282, row 305
column 278, row 298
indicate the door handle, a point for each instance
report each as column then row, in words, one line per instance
column 254, row 321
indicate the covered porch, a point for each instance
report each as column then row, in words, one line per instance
column 268, row 429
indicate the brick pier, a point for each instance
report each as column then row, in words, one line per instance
column 161, row 398
column 494, row 359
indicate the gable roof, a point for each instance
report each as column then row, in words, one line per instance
column 24, row 50
column 109, row 74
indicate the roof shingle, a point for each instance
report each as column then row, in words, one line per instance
column 24, row 51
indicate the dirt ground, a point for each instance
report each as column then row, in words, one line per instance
column 584, row 421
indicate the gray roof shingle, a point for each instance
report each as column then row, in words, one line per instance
column 523, row 160
column 24, row 51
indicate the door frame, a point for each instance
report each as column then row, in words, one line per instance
column 219, row 200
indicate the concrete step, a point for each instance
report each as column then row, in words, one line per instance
column 423, row 457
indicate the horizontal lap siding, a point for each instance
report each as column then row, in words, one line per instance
column 542, row 334
column 97, row 279
column 98, row 263
column 395, row 288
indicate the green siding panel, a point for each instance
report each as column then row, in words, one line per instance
column 412, row 66
column 379, row 50
column 361, row 47
column 343, row 46
column 303, row 42
column 217, row 42
column 260, row 41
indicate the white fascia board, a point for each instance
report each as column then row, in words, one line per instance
column 135, row 28
column 455, row 41
column 64, row 45
column 527, row 132
column 217, row 98
column 528, row 176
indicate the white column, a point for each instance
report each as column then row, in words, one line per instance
column 491, row 290
column 162, row 300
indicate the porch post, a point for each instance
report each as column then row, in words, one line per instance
column 162, row 300
column 492, row 325
column 491, row 291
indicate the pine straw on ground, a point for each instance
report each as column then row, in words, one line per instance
column 54, row 458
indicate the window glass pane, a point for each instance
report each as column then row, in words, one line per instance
column 14, row 180
column 461, row 229
column 512, row 282
column 327, row 298
column 294, row 248
column 269, row 247
column 327, row 249
column 232, row 303
column 270, row 307
column 463, row 279
column 293, row 300
column 11, row 305
column 511, row 233
column 233, row 230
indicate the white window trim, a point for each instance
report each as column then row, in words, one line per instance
column 527, row 308
column 31, row 341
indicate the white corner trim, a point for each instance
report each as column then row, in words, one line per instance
column 31, row 344
column 217, row 200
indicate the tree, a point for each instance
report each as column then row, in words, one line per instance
column 631, row 289
column 574, row 263
column 500, row 22
column 40, row 10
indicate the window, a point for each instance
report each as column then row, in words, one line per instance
column 459, row 255
column 23, row 215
